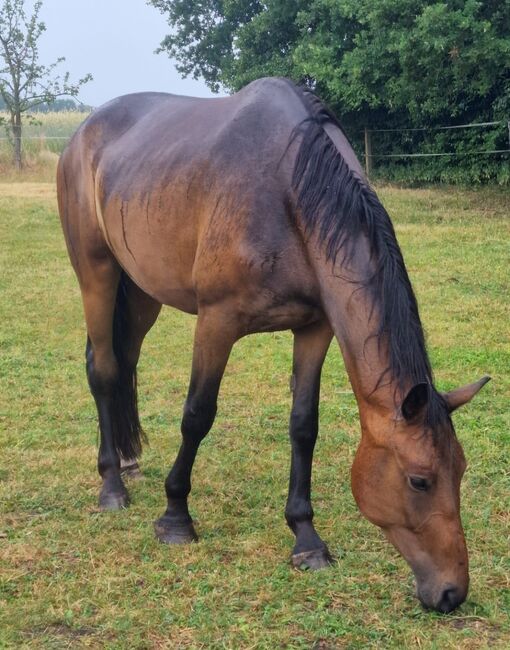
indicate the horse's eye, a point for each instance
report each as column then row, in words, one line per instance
column 419, row 483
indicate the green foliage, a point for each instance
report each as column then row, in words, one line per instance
column 378, row 63
column 229, row 43
column 425, row 61
column 463, row 166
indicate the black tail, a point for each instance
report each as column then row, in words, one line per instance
column 128, row 434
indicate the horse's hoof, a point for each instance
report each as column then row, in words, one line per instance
column 172, row 533
column 131, row 472
column 113, row 500
column 319, row 558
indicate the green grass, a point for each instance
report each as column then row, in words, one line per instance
column 71, row 577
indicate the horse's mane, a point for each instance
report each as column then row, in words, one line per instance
column 340, row 207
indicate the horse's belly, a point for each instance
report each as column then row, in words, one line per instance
column 162, row 283
column 292, row 315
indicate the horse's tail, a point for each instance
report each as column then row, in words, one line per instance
column 128, row 434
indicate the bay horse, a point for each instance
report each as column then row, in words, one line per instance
column 252, row 212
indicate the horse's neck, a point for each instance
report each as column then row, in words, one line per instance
column 355, row 323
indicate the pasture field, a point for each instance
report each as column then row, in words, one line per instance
column 43, row 141
column 71, row 577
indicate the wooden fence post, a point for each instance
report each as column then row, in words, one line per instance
column 368, row 153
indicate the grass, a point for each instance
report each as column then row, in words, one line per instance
column 71, row 577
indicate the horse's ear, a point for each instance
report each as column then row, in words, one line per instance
column 465, row 394
column 415, row 402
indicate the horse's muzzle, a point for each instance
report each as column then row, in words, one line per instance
column 446, row 599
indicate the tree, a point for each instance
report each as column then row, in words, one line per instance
column 379, row 63
column 425, row 58
column 430, row 60
column 231, row 42
column 24, row 82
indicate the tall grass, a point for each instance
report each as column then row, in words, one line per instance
column 44, row 139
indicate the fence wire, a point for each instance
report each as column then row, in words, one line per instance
column 371, row 155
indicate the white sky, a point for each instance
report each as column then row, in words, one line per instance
column 115, row 41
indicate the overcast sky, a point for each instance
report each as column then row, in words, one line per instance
column 115, row 41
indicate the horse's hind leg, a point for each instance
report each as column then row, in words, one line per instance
column 118, row 317
column 310, row 347
column 213, row 343
column 99, row 288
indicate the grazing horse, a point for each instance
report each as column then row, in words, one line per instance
column 253, row 213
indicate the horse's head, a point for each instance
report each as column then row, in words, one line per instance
column 406, row 479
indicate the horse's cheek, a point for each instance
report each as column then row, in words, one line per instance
column 362, row 486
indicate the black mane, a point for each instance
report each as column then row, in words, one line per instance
column 340, row 207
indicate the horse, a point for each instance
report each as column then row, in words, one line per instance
column 252, row 212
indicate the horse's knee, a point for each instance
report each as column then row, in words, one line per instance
column 198, row 418
column 304, row 426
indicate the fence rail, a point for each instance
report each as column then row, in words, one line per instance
column 39, row 137
column 452, row 153
column 370, row 155
column 440, row 128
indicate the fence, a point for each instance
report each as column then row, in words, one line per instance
column 370, row 156
column 56, row 143
column 34, row 145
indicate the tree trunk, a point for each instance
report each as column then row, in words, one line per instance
column 16, row 132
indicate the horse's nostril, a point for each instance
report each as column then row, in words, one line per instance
column 450, row 599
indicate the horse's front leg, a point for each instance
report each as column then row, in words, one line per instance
column 212, row 346
column 310, row 347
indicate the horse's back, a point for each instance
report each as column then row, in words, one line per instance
column 191, row 193
column 137, row 140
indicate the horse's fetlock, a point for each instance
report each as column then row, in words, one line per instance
column 297, row 513
column 177, row 490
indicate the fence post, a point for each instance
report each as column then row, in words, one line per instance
column 368, row 153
